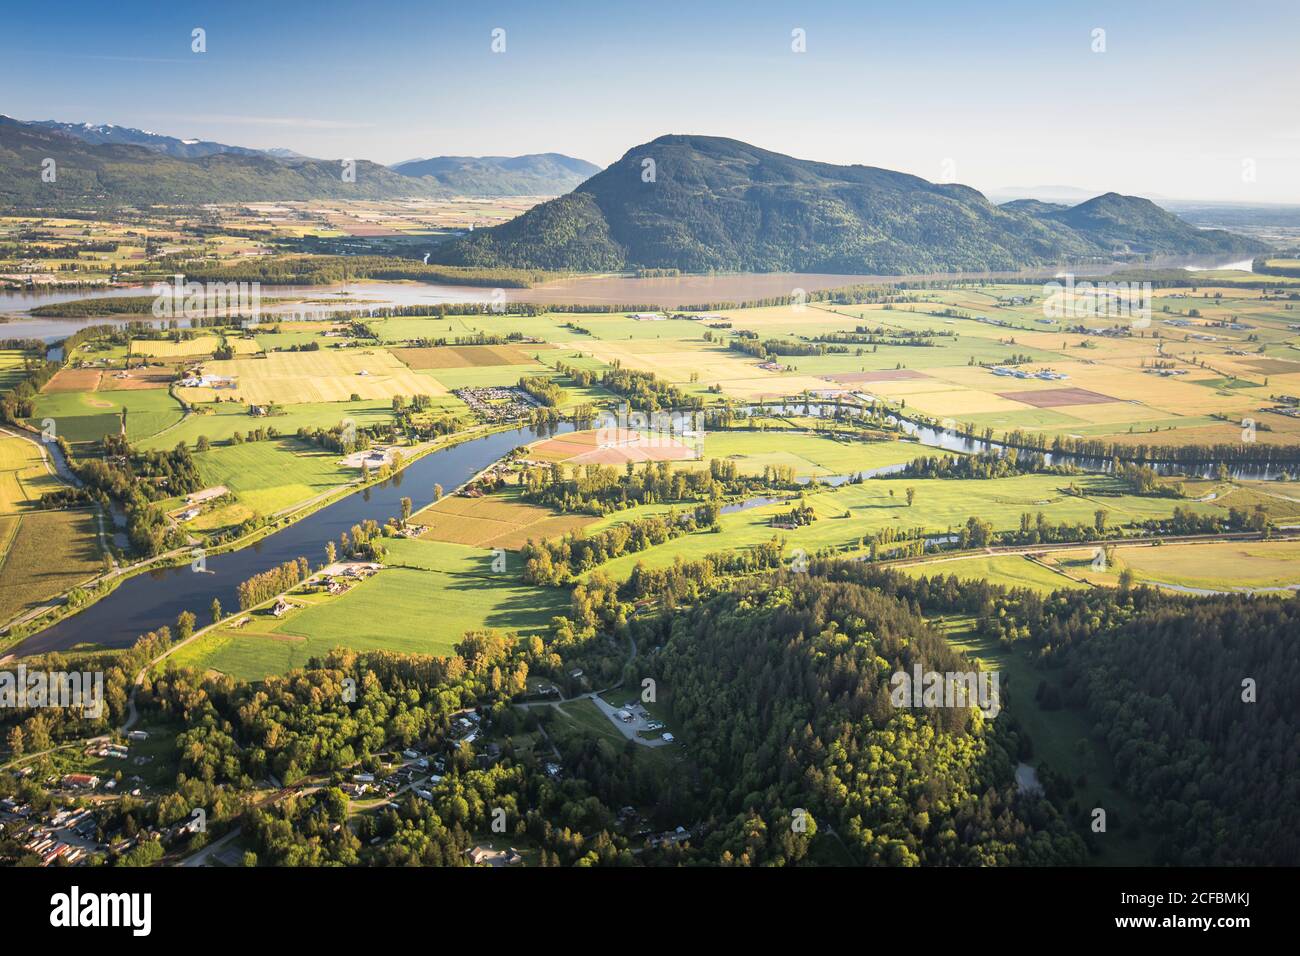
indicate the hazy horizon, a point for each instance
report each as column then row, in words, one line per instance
column 1185, row 103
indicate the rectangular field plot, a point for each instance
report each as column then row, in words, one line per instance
column 48, row 552
column 616, row 448
column 466, row 356
column 89, row 416
column 165, row 348
column 73, row 380
column 1057, row 397
column 24, row 475
column 1214, row 566
column 496, row 521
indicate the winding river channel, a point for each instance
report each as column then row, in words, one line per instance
column 148, row 601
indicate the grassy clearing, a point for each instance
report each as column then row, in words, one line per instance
column 1061, row 738
column 218, row 422
column 497, row 521
column 11, row 367
column 809, row 454
column 852, row 512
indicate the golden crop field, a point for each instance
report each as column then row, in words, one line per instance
column 24, row 476
column 329, row 375
column 42, row 553
column 50, row 552
column 165, row 348
column 1216, row 565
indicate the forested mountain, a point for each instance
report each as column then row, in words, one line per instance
column 783, row 688
column 701, row 203
column 536, row 174
column 111, row 174
column 1130, row 224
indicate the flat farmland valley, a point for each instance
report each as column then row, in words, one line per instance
column 650, row 440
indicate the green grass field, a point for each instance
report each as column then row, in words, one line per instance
column 89, row 416
column 11, row 367
column 809, row 454
column 268, row 476
column 1008, row 570
column 852, row 512
column 220, row 421
column 404, row 609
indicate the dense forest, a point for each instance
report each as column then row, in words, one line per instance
column 1195, row 698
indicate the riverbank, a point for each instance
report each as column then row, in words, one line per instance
column 104, row 585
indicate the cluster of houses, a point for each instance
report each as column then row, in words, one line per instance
column 65, row 835
column 196, row 380
column 484, row 855
column 369, row 458
column 1046, row 375
column 427, row 770
column 496, row 403
column 1105, row 332
column 349, row 574
column 1166, row 372
column 670, row 837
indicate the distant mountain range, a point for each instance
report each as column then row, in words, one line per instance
column 537, row 174
column 701, row 203
column 1065, row 194
column 108, row 174
column 118, row 165
column 109, row 134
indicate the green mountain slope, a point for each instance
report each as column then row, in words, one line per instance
column 719, row 204
column 537, row 174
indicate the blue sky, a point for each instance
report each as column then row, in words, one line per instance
column 1186, row 97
